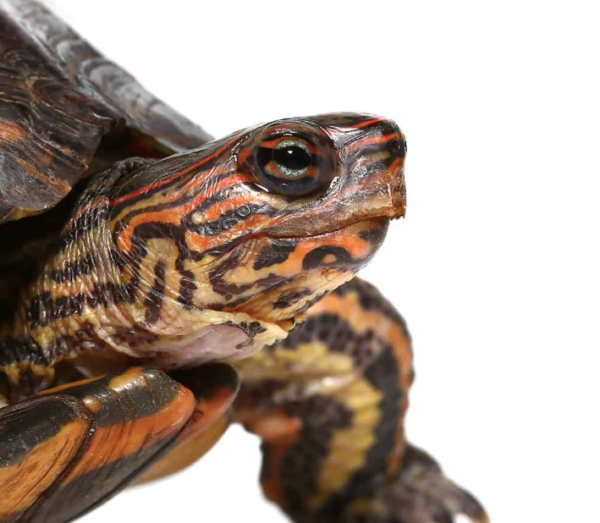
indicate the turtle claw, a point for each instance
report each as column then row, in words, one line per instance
column 419, row 494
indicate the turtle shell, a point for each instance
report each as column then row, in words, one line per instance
column 66, row 111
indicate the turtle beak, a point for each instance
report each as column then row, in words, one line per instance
column 397, row 196
column 368, row 186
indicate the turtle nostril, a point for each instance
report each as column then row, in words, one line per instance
column 397, row 147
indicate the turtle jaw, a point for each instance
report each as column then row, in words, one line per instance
column 284, row 276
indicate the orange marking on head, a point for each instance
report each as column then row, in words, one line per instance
column 272, row 143
column 355, row 245
column 172, row 215
column 348, row 240
column 201, row 243
column 372, row 140
column 174, row 176
column 397, row 164
column 228, row 182
column 244, row 153
column 200, row 179
column 368, row 123
column 214, row 189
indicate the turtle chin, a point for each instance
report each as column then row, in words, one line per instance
column 260, row 290
column 290, row 274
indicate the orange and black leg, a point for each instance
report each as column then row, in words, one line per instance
column 66, row 451
column 329, row 404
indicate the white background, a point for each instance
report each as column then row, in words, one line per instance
column 496, row 265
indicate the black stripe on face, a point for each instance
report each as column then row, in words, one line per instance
column 340, row 257
column 156, row 294
column 228, row 220
column 251, row 329
column 154, row 231
column 374, row 236
column 223, row 287
column 162, row 170
column 187, row 288
column 274, row 254
column 188, row 195
column 374, row 157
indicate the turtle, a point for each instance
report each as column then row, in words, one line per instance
column 157, row 285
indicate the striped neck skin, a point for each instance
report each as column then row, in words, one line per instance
column 225, row 246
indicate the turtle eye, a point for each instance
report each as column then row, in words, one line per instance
column 290, row 165
column 292, row 158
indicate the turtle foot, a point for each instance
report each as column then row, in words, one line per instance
column 420, row 493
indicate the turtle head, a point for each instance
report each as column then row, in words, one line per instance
column 264, row 222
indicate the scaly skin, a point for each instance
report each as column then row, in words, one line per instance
column 207, row 255
column 329, row 403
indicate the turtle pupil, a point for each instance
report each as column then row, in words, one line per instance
column 292, row 157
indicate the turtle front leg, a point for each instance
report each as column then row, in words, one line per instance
column 329, row 404
column 73, row 447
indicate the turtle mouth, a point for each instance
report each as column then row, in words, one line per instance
column 376, row 222
column 305, row 225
